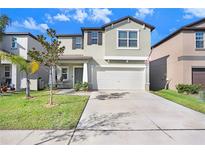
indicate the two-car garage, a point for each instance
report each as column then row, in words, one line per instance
column 120, row 78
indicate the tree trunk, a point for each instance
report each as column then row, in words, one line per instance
column 27, row 86
column 51, row 86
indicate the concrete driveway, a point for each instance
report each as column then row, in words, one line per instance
column 128, row 117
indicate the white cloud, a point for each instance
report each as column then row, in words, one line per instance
column 80, row 15
column 49, row 18
column 143, row 12
column 44, row 26
column 194, row 12
column 100, row 15
column 61, row 17
column 30, row 23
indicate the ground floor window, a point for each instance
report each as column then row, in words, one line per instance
column 64, row 73
column 7, row 71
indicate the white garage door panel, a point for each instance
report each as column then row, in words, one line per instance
column 120, row 78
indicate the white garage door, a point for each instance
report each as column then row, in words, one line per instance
column 121, row 78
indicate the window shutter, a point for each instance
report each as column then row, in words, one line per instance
column 89, row 38
column 99, row 38
column 73, row 42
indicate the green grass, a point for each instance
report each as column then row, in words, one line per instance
column 16, row 112
column 182, row 99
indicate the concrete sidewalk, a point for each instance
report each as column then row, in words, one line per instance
column 35, row 137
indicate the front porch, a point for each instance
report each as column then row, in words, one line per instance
column 72, row 69
column 8, row 74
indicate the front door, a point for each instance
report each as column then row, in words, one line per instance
column 78, row 75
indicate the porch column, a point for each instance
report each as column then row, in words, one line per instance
column 147, row 84
column 14, row 76
column 85, row 72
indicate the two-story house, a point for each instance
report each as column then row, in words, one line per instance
column 109, row 57
column 20, row 44
column 179, row 58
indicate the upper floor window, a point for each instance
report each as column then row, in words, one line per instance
column 199, row 40
column 78, row 43
column 128, row 39
column 14, row 43
column 94, row 37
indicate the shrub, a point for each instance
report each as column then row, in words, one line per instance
column 77, row 86
column 194, row 89
column 180, row 88
column 188, row 89
column 81, row 86
column 85, row 86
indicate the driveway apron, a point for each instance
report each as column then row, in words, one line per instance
column 137, row 117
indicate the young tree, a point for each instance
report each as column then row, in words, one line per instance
column 24, row 65
column 4, row 21
column 49, row 56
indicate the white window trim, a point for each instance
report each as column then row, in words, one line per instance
column 94, row 38
column 203, row 40
column 81, row 43
column 67, row 73
column 12, row 42
column 129, row 48
column 124, row 58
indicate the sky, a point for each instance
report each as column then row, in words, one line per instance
column 69, row 21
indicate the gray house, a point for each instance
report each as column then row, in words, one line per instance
column 20, row 44
column 109, row 57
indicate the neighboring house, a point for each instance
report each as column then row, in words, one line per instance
column 179, row 58
column 20, row 44
column 109, row 57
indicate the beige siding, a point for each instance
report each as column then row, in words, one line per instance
column 189, row 45
column 173, row 47
column 67, row 42
column 111, row 41
column 94, row 50
column 109, row 48
column 109, row 44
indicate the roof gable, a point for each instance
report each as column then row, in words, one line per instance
column 129, row 18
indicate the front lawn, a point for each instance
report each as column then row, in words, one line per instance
column 16, row 112
column 182, row 99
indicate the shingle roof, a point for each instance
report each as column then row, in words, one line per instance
column 21, row 33
column 69, row 35
column 133, row 19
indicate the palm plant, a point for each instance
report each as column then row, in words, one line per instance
column 24, row 65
